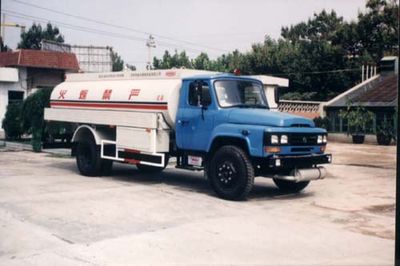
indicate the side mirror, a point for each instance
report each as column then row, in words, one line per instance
column 203, row 94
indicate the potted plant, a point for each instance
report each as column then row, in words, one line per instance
column 357, row 118
column 385, row 133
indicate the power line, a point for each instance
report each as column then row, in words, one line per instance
column 317, row 72
column 120, row 26
column 135, row 62
column 135, row 38
column 96, row 31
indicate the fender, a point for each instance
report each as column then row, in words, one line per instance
column 251, row 135
column 82, row 131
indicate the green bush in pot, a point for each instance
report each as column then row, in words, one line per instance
column 357, row 119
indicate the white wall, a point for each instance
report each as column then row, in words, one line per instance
column 270, row 93
column 270, row 85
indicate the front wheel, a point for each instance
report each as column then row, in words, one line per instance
column 290, row 186
column 231, row 173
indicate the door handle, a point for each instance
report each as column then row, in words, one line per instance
column 183, row 122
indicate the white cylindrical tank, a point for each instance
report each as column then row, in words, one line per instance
column 128, row 95
column 147, row 91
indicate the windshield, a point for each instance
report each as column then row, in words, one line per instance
column 239, row 93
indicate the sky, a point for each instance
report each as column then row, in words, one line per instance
column 211, row 26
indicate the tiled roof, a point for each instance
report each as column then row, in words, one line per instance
column 385, row 90
column 39, row 59
column 380, row 91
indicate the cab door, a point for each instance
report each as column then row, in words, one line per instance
column 195, row 117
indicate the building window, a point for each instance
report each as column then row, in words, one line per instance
column 369, row 127
column 340, row 125
column 336, row 123
column 344, row 125
column 15, row 96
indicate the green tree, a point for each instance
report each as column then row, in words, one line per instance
column 117, row 62
column 32, row 115
column 184, row 61
column 33, row 37
column 373, row 35
column 3, row 47
column 321, row 57
column 322, row 26
column 202, row 61
column 378, row 28
column 176, row 60
column 12, row 121
column 305, row 64
column 316, row 47
column 347, row 37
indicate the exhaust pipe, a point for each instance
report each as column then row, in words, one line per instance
column 299, row 175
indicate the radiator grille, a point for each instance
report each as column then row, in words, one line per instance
column 300, row 139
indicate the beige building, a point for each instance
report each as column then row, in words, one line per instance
column 24, row 71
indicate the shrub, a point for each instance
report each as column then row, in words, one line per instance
column 32, row 115
column 357, row 118
column 385, row 132
column 321, row 122
column 12, row 121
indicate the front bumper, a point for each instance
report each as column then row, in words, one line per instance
column 298, row 161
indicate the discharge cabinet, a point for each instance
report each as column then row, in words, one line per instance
column 219, row 123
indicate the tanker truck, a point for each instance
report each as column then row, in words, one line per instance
column 219, row 123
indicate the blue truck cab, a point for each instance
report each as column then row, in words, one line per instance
column 224, row 126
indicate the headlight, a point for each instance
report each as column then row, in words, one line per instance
column 324, row 139
column 319, row 140
column 274, row 139
column 284, row 139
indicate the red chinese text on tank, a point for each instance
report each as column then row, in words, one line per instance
column 61, row 95
column 134, row 93
column 106, row 95
column 160, row 98
column 83, row 94
column 170, row 73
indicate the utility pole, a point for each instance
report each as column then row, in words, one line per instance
column 362, row 73
column 150, row 43
column 5, row 24
column 1, row 37
column 10, row 24
column 1, row 34
column 2, row 30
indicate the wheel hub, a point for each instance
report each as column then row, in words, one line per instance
column 226, row 173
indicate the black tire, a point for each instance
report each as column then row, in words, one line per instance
column 230, row 173
column 89, row 161
column 290, row 186
column 106, row 167
column 148, row 169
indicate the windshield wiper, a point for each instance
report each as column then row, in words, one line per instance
column 243, row 105
column 259, row 105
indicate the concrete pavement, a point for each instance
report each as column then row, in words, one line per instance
column 50, row 215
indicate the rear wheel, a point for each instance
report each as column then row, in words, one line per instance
column 89, row 161
column 231, row 173
column 106, row 167
column 290, row 186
